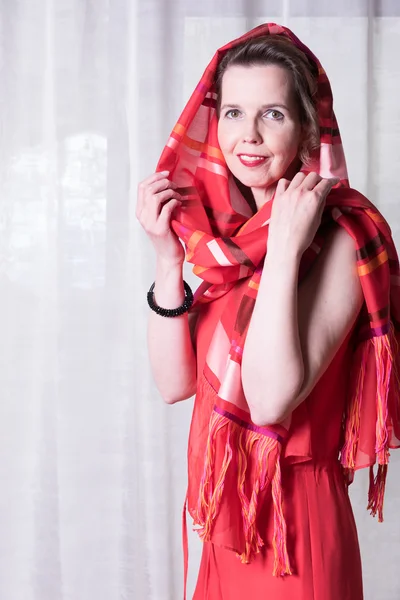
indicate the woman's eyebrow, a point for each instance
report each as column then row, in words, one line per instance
column 263, row 107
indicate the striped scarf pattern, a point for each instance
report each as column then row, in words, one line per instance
column 227, row 243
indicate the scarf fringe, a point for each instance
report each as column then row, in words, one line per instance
column 382, row 346
column 281, row 562
column 246, row 440
column 209, row 497
column 353, row 422
column 384, row 362
column 376, row 492
column 244, row 443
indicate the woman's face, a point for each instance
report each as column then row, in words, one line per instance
column 259, row 130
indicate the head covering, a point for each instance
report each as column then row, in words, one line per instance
column 237, row 468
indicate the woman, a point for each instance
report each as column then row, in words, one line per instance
column 291, row 343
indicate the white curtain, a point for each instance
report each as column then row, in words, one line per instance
column 92, row 465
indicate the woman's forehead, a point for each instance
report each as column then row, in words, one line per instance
column 267, row 83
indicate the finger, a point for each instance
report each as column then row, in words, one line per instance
column 161, row 185
column 156, row 202
column 167, row 210
column 311, row 181
column 297, row 180
column 151, row 217
column 143, row 188
column 324, row 186
column 165, row 196
column 152, row 204
column 282, row 186
column 155, row 177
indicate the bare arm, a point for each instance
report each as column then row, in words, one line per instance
column 171, row 352
column 295, row 331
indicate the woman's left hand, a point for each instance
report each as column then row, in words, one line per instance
column 297, row 211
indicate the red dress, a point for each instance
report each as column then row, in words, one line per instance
column 321, row 532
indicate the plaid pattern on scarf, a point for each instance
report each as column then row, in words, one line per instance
column 226, row 243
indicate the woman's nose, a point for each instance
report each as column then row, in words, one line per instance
column 252, row 134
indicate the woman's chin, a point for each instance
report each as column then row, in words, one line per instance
column 252, row 181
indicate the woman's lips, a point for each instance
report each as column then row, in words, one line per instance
column 251, row 161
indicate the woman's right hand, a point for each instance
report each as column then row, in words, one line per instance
column 157, row 199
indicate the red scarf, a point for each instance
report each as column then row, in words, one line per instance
column 239, row 468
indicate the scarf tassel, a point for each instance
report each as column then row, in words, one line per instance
column 384, row 361
column 209, row 496
column 240, row 445
column 353, row 422
column 281, row 562
column 376, row 491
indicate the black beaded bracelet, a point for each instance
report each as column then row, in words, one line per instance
column 171, row 312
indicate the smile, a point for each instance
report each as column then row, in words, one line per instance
column 251, row 161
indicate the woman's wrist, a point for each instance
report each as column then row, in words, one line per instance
column 283, row 253
column 169, row 291
column 166, row 265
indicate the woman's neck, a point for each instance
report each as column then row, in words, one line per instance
column 263, row 195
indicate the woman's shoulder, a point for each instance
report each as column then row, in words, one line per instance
column 339, row 241
column 338, row 246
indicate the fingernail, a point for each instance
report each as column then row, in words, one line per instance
column 164, row 172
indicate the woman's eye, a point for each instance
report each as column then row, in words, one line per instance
column 233, row 113
column 275, row 115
